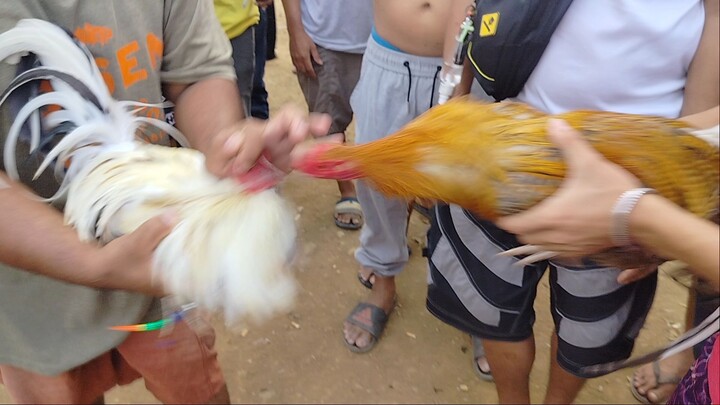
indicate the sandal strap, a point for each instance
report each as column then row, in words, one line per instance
column 374, row 324
column 662, row 379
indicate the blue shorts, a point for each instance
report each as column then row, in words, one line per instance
column 596, row 318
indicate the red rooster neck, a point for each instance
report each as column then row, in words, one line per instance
column 316, row 163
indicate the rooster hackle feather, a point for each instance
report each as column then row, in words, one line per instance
column 231, row 248
column 496, row 159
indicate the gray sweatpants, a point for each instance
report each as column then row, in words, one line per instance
column 393, row 89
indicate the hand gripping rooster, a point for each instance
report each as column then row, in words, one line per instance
column 231, row 247
column 496, row 159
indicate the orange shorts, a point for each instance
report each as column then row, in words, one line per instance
column 180, row 367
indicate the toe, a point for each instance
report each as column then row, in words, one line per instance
column 363, row 340
column 342, row 218
column 356, row 336
column 347, row 332
column 642, row 382
column 351, row 333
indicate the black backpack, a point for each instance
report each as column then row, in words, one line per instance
column 510, row 37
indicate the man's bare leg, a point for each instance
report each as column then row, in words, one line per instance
column 562, row 387
column 511, row 363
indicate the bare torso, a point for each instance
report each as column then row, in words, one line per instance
column 415, row 26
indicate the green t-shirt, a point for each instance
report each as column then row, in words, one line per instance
column 48, row 326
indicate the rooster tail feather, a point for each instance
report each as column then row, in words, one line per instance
column 28, row 81
column 78, row 88
column 165, row 127
column 44, row 73
column 25, row 112
column 56, row 49
column 317, row 163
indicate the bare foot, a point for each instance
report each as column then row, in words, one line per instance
column 382, row 295
column 657, row 381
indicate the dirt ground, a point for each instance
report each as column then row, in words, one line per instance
column 301, row 358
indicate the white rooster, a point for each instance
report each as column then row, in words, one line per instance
column 231, row 249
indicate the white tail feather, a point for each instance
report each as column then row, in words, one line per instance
column 55, row 49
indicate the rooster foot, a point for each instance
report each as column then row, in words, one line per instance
column 534, row 254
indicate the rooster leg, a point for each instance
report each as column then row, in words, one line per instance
column 535, row 254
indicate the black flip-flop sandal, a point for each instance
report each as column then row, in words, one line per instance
column 365, row 281
column 374, row 325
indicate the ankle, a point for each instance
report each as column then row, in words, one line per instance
column 384, row 283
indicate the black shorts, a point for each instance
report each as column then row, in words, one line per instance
column 596, row 318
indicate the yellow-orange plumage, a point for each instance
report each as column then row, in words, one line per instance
column 496, row 159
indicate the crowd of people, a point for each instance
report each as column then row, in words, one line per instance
column 379, row 63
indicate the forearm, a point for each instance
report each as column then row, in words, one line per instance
column 466, row 81
column 457, row 15
column 34, row 238
column 669, row 231
column 293, row 16
column 704, row 119
column 205, row 108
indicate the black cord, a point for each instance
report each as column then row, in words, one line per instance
column 432, row 93
column 407, row 65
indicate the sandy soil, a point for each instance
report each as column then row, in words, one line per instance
column 300, row 357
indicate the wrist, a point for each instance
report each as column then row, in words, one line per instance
column 620, row 227
column 95, row 268
column 295, row 26
column 645, row 226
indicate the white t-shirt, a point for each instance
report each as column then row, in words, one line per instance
column 628, row 56
column 338, row 25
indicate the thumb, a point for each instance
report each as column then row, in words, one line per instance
column 155, row 229
column 316, row 55
column 575, row 149
column 320, row 125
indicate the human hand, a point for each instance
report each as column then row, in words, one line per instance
column 126, row 262
column 264, row 3
column 576, row 220
column 235, row 150
column 303, row 52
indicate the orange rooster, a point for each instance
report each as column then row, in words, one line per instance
column 496, row 160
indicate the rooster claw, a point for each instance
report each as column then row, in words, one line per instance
column 534, row 254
